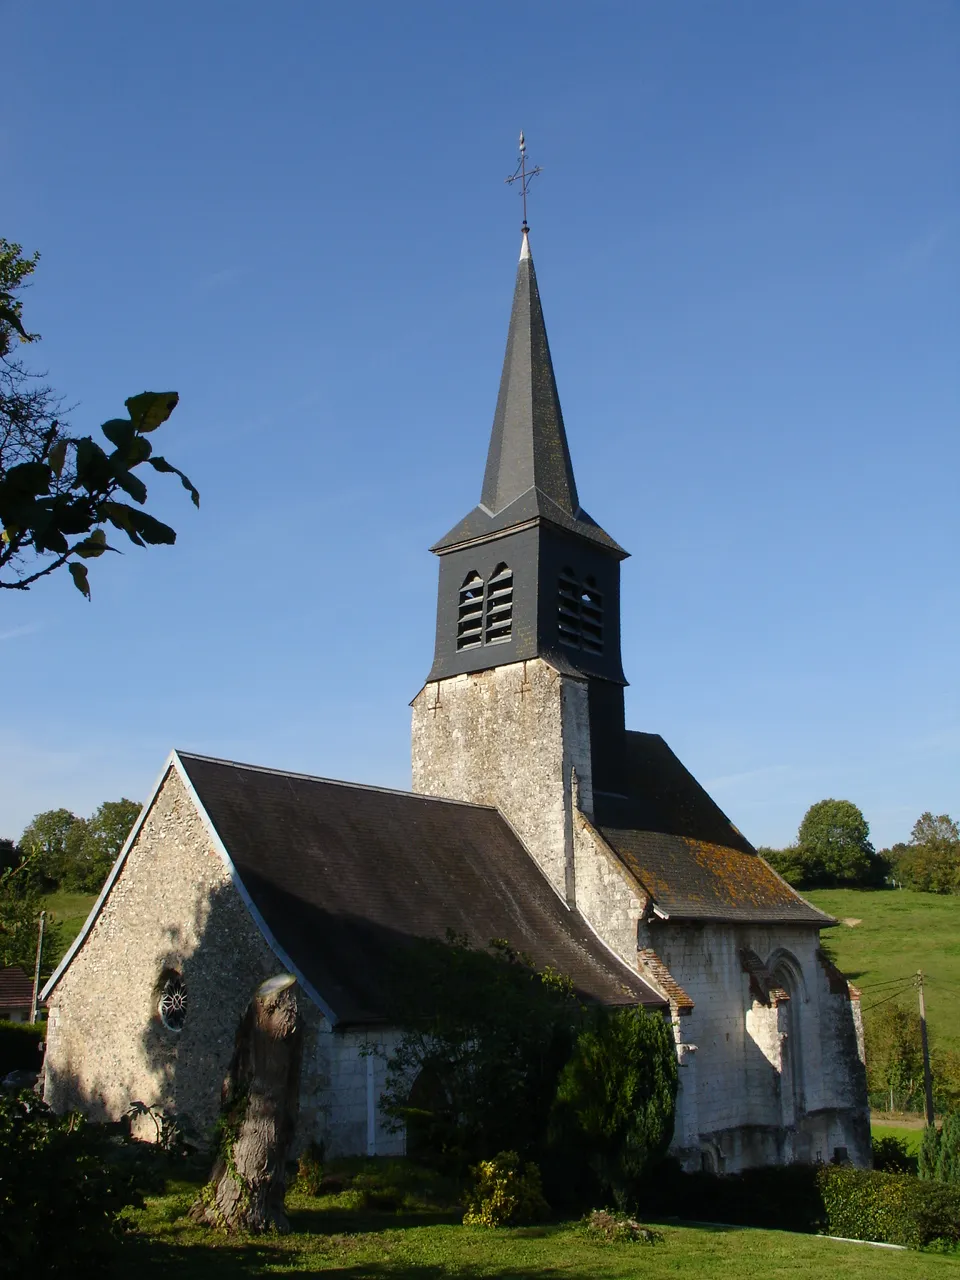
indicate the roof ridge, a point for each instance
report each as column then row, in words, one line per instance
column 333, row 782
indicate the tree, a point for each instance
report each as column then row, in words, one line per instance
column 102, row 839
column 258, row 1116
column 20, row 907
column 58, row 492
column 940, row 1150
column 485, row 1036
column 788, row 863
column 77, row 853
column 931, row 860
column 834, row 846
column 894, row 1056
column 617, row 1094
column 51, row 843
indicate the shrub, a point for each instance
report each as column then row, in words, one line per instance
column 20, row 1046
column 616, row 1097
column 890, row 1155
column 940, row 1151
column 310, row 1170
column 504, row 1193
column 617, row 1228
column 863, row 1204
column 63, row 1183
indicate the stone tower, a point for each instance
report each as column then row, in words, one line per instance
column 523, row 707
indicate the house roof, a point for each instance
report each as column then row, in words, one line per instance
column 684, row 849
column 16, row 989
column 529, row 475
column 343, row 875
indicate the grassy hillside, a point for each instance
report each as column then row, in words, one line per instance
column 68, row 910
column 890, row 933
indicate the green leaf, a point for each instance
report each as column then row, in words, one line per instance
column 120, row 432
column 133, row 485
column 93, row 467
column 93, row 546
column 161, row 464
column 150, row 409
column 78, row 573
column 137, row 525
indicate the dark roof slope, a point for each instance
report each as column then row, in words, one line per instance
column 344, row 874
column 684, row 849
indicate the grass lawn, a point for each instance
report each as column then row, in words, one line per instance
column 331, row 1235
column 911, row 1135
column 898, row 932
column 69, row 910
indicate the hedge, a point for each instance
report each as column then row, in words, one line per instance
column 836, row 1200
column 20, row 1044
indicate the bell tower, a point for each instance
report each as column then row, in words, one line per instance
column 524, row 701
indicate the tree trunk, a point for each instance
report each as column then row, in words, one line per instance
column 258, row 1113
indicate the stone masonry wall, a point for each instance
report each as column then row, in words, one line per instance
column 510, row 737
column 172, row 907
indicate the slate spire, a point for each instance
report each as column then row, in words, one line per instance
column 529, row 475
column 528, row 445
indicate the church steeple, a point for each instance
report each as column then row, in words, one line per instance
column 527, row 573
column 529, row 473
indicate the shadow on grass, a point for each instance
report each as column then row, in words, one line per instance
column 239, row 1261
column 335, row 1221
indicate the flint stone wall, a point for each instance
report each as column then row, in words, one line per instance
column 174, row 907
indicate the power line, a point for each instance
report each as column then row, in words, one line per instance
column 877, row 1003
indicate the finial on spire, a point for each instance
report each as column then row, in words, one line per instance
column 524, row 176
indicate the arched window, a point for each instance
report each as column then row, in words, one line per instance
column 580, row 612
column 470, row 612
column 499, row 612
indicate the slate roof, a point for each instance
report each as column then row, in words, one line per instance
column 684, row 849
column 529, row 475
column 343, row 875
column 16, row 989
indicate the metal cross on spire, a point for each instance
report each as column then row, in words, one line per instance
column 524, row 176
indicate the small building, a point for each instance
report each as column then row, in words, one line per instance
column 535, row 816
column 16, row 995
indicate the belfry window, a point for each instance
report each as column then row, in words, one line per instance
column 470, row 612
column 580, row 613
column 499, row 610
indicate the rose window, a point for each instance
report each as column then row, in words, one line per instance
column 173, row 1003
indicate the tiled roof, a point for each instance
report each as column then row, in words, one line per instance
column 343, row 875
column 684, row 849
column 16, row 989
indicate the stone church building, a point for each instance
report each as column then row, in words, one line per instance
column 536, row 816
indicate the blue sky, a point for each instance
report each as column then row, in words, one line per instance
column 747, row 237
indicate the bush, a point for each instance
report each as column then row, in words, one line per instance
column 310, row 1170
column 504, row 1193
column 21, row 1044
column 940, row 1151
column 63, row 1183
column 863, row 1204
column 890, row 1155
column 617, row 1228
column 616, row 1098
column 837, row 1200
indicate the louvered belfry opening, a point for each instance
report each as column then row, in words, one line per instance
column 470, row 612
column 499, row 613
column 580, row 610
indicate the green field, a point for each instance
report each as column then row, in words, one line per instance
column 327, row 1238
column 910, row 1135
column 68, row 911
column 899, row 932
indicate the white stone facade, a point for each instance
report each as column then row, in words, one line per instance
column 763, row 1079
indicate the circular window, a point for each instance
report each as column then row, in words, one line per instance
column 173, row 1003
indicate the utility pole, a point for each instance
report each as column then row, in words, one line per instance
column 36, row 968
column 927, row 1081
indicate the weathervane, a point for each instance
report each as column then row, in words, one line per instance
column 524, row 176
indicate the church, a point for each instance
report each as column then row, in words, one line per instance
column 535, row 816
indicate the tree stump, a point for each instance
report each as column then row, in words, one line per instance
column 258, row 1114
